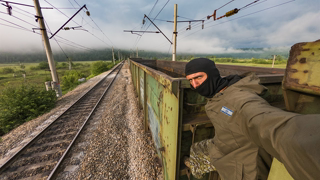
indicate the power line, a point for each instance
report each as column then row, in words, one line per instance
column 23, row 4
column 97, row 26
column 17, row 25
column 240, row 17
column 80, row 25
column 21, row 28
column 153, row 18
column 18, row 18
column 102, row 31
column 16, row 7
column 81, row 15
column 27, row 15
column 184, row 17
column 76, row 45
column 77, row 2
column 198, row 24
column 150, row 13
column 55, row 39
column 153, row 7
column 249, row 4
column 224, row 5
column 195, row 25
column 61, row 12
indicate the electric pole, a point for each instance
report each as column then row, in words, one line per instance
column 174, row 49
column 55, row 80
column 137, row 53
column 274, row 58
column 112, row 55
column 119, row 56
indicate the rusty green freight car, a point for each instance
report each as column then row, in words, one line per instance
column 176, row 116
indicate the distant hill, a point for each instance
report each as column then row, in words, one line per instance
column 106, row 54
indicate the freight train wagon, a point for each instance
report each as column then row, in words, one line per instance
column 175, row 114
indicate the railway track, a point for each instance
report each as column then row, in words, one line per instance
column 41, row 157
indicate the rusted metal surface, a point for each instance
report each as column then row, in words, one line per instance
column 303, row 68
column 160, row 101
column 175, row 113
column 301, row 83
column 301, row 89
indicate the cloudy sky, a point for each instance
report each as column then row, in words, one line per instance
column 264, row 24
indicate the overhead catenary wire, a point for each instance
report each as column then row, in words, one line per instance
column 16, row 25
column 18, row 19
column 80, row 25
column 206, row 27
column 149, row 14
column 153, row 18
column 225, row 4
column 82, row 16
column 21, row 28
column 27, row 5
column 198, row 24
column 16, row 7
column 98, row 28
column 47, row 26
column 62, row 12
column 29, row 15
column 239, row 17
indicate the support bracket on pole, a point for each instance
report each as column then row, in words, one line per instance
column 84, row 6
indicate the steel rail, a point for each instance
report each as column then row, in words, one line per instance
column 19, row 152
column 54, row 171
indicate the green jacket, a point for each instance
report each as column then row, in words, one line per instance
column 248, row 130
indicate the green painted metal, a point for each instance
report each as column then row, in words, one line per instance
column 301, row 89
column 162, row 110
column 175, row 114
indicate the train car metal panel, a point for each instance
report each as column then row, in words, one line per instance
column 175, row 114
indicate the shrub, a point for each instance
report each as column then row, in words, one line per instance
column 261, row 61
column 63, row 65
column 23, row 103
column 21, row 72
column 33, row 68
column 70, row 79
column 99, row 67
column 7, row 70
column 43, row 65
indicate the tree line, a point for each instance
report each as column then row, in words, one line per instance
column 106, row 54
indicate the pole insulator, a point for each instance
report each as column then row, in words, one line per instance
column 9, row 8
column 232, row 12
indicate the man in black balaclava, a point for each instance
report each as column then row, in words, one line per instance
column 248, row 131
column 205, row 78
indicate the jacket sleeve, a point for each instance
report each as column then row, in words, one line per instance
column 292, row 138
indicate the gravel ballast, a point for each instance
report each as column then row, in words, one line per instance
column 113, row 145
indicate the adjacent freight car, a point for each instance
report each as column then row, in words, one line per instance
column 176, row 116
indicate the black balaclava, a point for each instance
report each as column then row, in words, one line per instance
column 214, row 83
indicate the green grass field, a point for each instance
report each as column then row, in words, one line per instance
column 37, row 77
column 282, row 66
column 247, row 62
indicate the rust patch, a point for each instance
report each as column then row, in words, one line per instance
column 292, row 81
column 162, row 149
column 305, row 49
column 305, row 71
column 313, row 53
column 303, row 60
column 293, row 70
column 293, row 61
